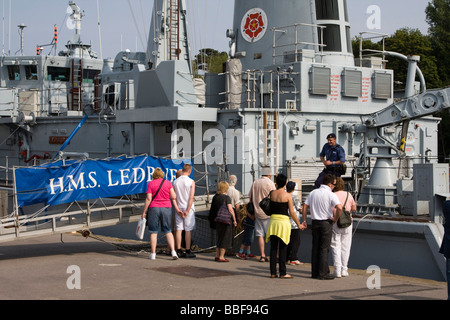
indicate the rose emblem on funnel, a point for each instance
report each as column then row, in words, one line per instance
column 254, row 25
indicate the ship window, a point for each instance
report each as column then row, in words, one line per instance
column 349, row 40
column 345, row 10
column 331, row 37
column 327, row 9
column 89, row 75
column 58, row 74
column 14, row 73
column 31, row 72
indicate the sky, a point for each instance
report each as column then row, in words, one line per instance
column 125, row 24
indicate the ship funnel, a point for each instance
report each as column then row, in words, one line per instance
column 267, row 32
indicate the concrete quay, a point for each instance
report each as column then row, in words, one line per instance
column 71, row 267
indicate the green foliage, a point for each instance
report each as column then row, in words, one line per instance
column 438, row 13
column 209, row 60
column 433, row 50
column 408, row 42
column 413, row 42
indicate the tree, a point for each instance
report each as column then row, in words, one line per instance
column 407, row 42
column 437, row 13
column 210, row 60
column 412, row 42
column 437, row 16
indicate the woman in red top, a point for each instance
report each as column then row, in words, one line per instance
column 160, row 211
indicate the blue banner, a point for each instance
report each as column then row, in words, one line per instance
column 56, row 183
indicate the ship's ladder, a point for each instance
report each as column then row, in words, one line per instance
column 270, row 129
column 77, row 79
column 174, row 41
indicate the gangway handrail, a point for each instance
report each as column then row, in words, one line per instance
column 22, row 226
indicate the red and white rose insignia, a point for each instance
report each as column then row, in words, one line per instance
column 254, row 25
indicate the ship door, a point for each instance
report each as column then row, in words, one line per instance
column 111, row 98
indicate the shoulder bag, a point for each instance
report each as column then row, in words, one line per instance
column 345, row 219
column 223, row 214
column 265, row 204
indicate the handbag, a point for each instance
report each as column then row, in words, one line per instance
column 223, row 215
column 264, row 204
column 345, row 219
column 141, row 228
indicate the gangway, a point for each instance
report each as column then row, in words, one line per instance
column 77, row 217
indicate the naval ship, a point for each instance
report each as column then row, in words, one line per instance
column 290, row 80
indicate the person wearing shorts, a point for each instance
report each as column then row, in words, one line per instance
column 259, row 190
column 158, row 211
column 184, row 188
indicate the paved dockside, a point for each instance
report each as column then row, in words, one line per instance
column 71, row 267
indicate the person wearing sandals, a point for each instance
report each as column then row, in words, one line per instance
column 224, row 232
column 294, row 243
column 279, row 229
column 259, row 190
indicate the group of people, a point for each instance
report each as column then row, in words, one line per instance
column 281, row 228
column 325, row 204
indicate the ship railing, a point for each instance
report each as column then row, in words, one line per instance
column 76, row 216
column 297, row 44
column 371, row 52
column 59, row 96
column 255, row 86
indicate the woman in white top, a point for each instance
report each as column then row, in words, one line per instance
column 341, row 240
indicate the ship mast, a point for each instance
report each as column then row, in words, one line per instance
column 76, row 48
column 168, row 32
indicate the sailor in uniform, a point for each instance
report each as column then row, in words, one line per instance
column 333, row 158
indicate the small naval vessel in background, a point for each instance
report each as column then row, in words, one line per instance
column 290, row 80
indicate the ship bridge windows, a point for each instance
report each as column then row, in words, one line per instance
column 31, row 72
column 14, row 73
column 349, row 40
column 327, row 9
column 58, row 74
column 345, row 10
column 89, row 75
column 331, row 37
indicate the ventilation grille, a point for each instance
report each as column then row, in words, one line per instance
column 382, row 85
column 352, row 83
column 320, row 81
